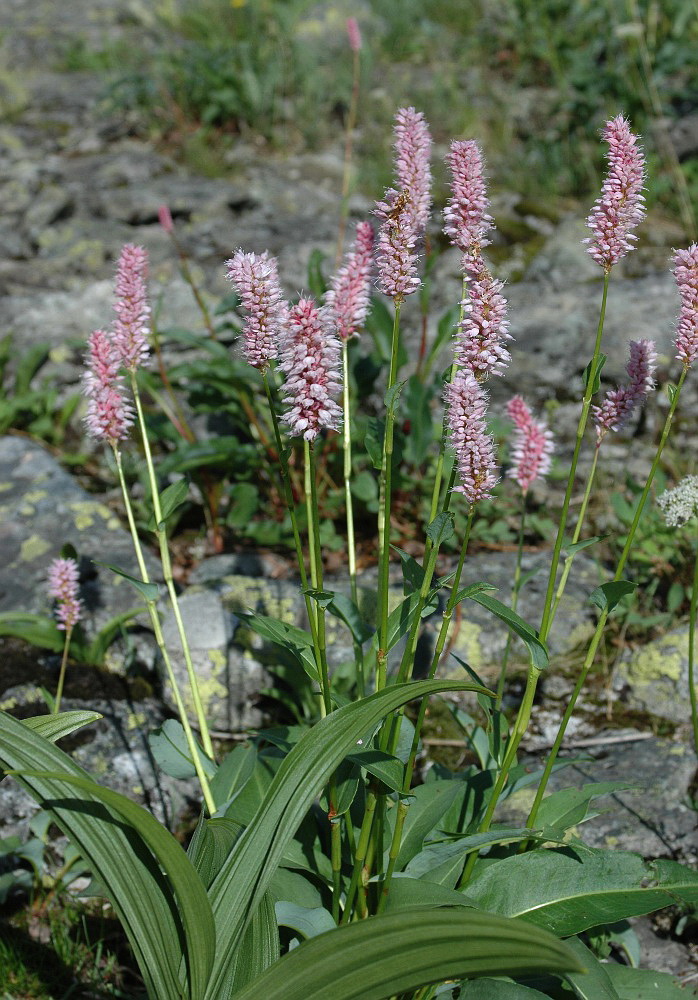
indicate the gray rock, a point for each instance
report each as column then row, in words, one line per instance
column 654, row 678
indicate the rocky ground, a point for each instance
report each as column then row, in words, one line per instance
column 75, row 184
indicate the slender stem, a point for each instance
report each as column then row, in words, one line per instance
column 61, row 676
column 161, row 535
column 402, row 809
column 360, row 852
column 185, row 271
column 440, row 643
column 336, row 854
column 160, row 640
column 316, row 567
column 581, row 427
column 349, row 508
column 691, row 654
column 384, row 517
column 518, row 732
column 575, row 537
column 514, row 602
column 600, row 625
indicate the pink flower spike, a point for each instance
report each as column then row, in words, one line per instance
column 109, row 414
column 466, row 402
column 519, row 413
column 686, row 277
column 256, row 278
column 531, row 451
column 618, row 404
column 132, row 324
column 347, row 299
column 63, row 577
column 466, row 214
column 621, row 205
column 412, row 154
column 484, row 328
column 397, row 262
column 353, row 34
column 165, row 219
column 309, row 357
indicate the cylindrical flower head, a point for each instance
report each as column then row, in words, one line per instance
column 353, row 34
column 621, row 205
column 397, row 262
column 466, row 402
column 483, row 331
column 347, row 298
column 412, row 154
column 109, row 414
column 519, row 412
column 256, row 278
column 63, row 577
column 466, row 214
column 310, row 359
column 132, row 323
column 686, row 277
column 681, row 503
column 531, row 451
column 618, row 404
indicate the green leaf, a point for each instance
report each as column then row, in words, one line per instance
column 569, row 807
column 407, row 892
column 643, row 984
column 434, row 855
column 323, row 598
column 160, row 915
column 260, row 948
column 568, row 893
column 572, row 547
column 537, row 651
column 412, row 572
column 417, row 401
column 172, row 497
column 597, row 375
column 308, row 923
column 169, row 747
column 244, row 503
column 607, row 596
column 364, row 486
column 316, row 280
column 399, row 952
column 441, row 528
column 236, row 892
column 55, row 727
column 373, row 441
column 384, row 766
column 210, row 846
column 392, row 395
column 446, row 328
column 428, row 803
column 345, row 609
column 472, row 589
column 233, row 773
column 39, row 630
column 671, row 391
column 149, row 591
column 31, row 362
column 594, row 983
column 290, row 637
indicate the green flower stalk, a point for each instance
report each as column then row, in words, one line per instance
column 63, row 586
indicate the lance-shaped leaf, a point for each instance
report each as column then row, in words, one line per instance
column 536, row 649
column 568, row 893
column 238, row 889
column 398, row 952
column 55, row 727
column 119, row 855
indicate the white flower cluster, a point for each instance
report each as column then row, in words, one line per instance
column 681, row 503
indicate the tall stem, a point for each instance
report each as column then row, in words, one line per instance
column 61, row 675
column 691, row 654
column 575, row 537
column 161, row 535
column 160, row 640
column 349, row 508
column 316, row 567
column 514, row 602
column 600, row 625
column 384, row 516
column 581, row 427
